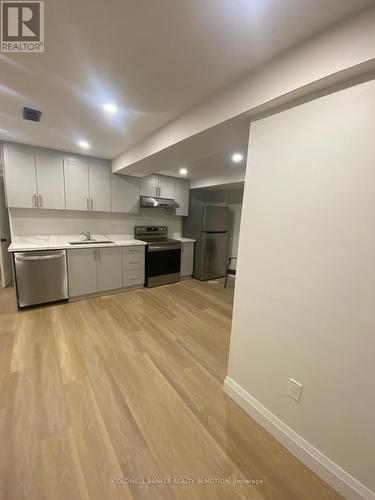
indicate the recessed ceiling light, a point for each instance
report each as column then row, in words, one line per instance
column 110, row 108
column 183, row 171
column 84, row 144
column 237, row 157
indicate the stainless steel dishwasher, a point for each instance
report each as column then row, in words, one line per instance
column 41, row 277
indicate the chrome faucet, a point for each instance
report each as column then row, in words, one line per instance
column 87, row 235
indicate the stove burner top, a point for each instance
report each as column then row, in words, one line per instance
column 155, row 236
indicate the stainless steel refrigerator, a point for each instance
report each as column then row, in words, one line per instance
column 208, row 225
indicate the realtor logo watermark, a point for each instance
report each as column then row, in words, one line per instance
column 22, row 26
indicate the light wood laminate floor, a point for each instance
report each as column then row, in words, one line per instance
column 97, row 392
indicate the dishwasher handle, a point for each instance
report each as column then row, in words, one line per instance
column 41, row 257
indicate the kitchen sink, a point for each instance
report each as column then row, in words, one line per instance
column 91, row 242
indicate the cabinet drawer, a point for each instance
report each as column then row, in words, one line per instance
column 133, row 261
column 139, row 250
column 133, row 277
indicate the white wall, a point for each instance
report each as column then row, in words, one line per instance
column 305, row 294
column 26, row 222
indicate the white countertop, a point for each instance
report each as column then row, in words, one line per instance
column 61, row 242
column 30, row 243
column 182, row 239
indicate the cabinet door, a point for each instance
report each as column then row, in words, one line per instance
column 187, row 259
column 76, row 173
column 166, row 187
column 20, row 179
column 149, row 185
column 124, row 193
column 100, row 187
column 50, row 181
column 181, row 195
column 109, row 268
column 82, row 272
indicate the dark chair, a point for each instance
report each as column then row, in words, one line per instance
column 229, row 271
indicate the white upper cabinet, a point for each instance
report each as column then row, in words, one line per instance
column 124, row 193
column 162, row 186
column 87, row 185
column 50, row 182
column 181, row 195
column 76, row 174
column 20, row 179
column 39, row 178
column 34, row 181
column 149, row 185
column 166, row 187
column 158, row 186
column 99, row 186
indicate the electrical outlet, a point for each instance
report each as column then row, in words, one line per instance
column 295, row 390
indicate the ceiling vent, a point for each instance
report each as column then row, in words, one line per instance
column 31, row 114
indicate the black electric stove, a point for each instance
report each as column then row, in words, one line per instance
column 163, row 255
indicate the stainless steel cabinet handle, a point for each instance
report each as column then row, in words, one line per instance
column 88, row 204
column 35, row 205
column 92, row 204
column 41, row 257
column 40, row 201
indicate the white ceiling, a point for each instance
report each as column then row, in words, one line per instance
column 153, row 58
column 214, row 170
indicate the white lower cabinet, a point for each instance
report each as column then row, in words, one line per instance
column 134, row 277
column 187, row 259
column 109, row 265
column 95, row 270
column 82, row 273
column 133, row 264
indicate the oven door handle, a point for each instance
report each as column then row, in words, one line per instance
column 161, row 248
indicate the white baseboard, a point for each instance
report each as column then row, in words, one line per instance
column 331, row 473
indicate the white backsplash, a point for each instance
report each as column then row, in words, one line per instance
column 27, row 222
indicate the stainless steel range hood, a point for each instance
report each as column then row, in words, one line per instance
column 150, row 202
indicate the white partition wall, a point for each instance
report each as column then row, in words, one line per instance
column 305, row 293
